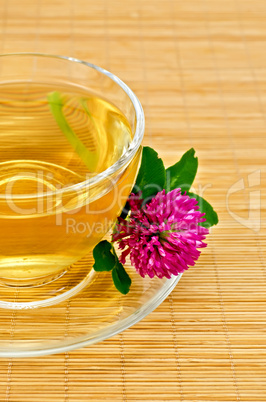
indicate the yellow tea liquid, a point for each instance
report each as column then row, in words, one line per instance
column 46, row 224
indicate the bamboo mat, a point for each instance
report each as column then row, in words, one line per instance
column 199, row 69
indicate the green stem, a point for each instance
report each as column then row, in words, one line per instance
column 56, row 106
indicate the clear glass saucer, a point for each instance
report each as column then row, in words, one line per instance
column 95, row 313
column 45, row 313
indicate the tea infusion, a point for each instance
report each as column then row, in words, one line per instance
column 50, row 139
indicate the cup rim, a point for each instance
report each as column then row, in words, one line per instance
column 123, row 160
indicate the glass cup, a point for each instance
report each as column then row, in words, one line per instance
column 53, row 209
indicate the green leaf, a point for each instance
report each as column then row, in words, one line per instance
column 125, row 210
column 182, row 174
column 151, row 176
column 56, row 106
column 121, row 279
column 105, row 260
column 210, row 215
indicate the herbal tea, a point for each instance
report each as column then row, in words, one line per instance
column 51, row 139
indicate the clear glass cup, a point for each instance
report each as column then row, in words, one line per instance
column 48, row 229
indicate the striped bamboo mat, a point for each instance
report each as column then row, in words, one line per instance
column 199, row 69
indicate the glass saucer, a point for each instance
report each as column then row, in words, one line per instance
column 96, row 312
